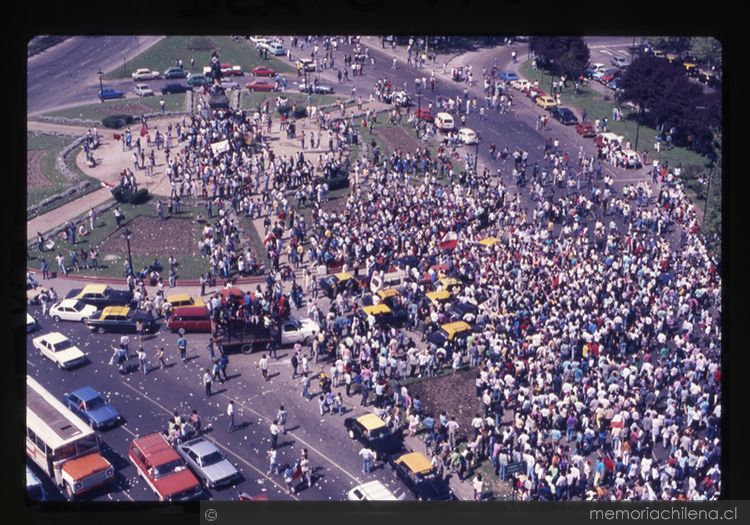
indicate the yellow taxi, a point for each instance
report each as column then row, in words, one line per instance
column 183, row 299
column 376, row 309
column 120, row 319
column 439, row 296
column 415, row 470
column 546, row 102
column 388, row 293
column 489, row 241
column 449, row 332
column 451, row 284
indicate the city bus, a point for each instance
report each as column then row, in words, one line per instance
column 62, row 444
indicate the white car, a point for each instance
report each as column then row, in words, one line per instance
column 58, row 348
column 30, row 323
column 143, row 90
column 262, row 42
column 467, row 136
column 71, row 310
column 521, row 84
column 298, row 331
column 229, row 84
column 145, row 74
column 372, row 491
column 276, row 48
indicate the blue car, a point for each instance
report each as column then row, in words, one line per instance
column 108, row 93
column 508, row 76
column 88, row 404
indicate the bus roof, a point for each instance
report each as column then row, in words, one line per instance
column 50, row 419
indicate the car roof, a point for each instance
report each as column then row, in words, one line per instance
column 94, row 288
column 86, row 393
column 438, row 295
column 371, row 422
column 344, row 276
column 151, row 444
column 489, row 241
column 388, row 292
column 115, row 310
column 376, row 309
column 178, row 298
column 448, row 281
column 200, row 446
column 416, row 462
column 456, row 327
column 68, row 302
column 190, row 310
column 54, row 337
column 375, row 490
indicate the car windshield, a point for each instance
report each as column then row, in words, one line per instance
column 212, row 458
column 168, row 468
column 62, row 345
column 78, row 306
column 379, row 433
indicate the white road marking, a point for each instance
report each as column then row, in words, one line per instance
column 32, row 364
column 606, row 52
column 126, row 429
column 240, row 458
column 261, row 416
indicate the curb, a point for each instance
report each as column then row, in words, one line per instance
column 123, row 280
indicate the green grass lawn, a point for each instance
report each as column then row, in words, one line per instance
column 163, row 55
column 50, row 146
column 127, row 106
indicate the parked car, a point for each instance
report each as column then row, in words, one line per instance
column 107, row 93
column 371, row 491
column 228, row 70
column 444, row 122
column 337, row 282
column 564, row 115
column 545, row 102
column 463, row 311
column 31, row 323
column 373, row 433
column 92, row 408
column 620, row 61
column 467, row 136
column 182, row 299
column 71, row 310
column 144, row 74
column 175, row 72
column 306, row 64
column 448, row 332
column 275, row 48
column 121, row 319
column 34, row 486
column 208, row 463
column 101, row 295
column 614, row 84
column 260, row 85
column 143, row 90
column 228, row 84
column 595, row 70
column 520, row 84
column 190, row 319
column 424, row 114
column 508, row 76
column 162, row 468
column 59, row 349
column 609, row 75
column 416, row 471
column 321, row 89
column 198, row 81
column 263, row 71
column 174, row 88
column 295, row 330
column 586, row 129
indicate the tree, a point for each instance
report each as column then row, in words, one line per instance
column 560, row 55
column 706, row 49
column 645, row 80
column 670, row 44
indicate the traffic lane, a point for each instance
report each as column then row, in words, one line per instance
column 64, row 73
column 257, row 402
column 97, row 374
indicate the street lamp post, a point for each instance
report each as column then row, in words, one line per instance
column 127, row 234
column 476, row 155
column 419, row 111
column 708, row 196
column 101, row 86
column 638, row 126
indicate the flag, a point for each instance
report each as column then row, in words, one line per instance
column 449, row 241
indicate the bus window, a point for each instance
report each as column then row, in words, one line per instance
column 67, row 451
column 86, row 444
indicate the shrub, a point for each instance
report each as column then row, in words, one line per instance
column 117, row 121
column 299, row 111
column 123, row 196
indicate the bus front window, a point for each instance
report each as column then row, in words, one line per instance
column 87, row 444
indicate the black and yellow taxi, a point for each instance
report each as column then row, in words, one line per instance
column 451, row 284
column 372, row 432
column 449, row 332
column 417, row 472
column 386, row 306
column 182, row 299
column 337, row 282
column 120, row 319
column 438, row 297
column 101, row 295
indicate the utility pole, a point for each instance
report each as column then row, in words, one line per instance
column 127, row 234
column 101, row 86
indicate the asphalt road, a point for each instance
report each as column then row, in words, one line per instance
column 147, row 401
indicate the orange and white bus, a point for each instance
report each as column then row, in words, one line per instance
column 62, row 444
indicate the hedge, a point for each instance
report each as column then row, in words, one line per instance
column 299, row 111
column 117, row 121
column 138, row 197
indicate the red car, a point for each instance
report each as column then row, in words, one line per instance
column 229, row 70
column 263, row 71
column 586, row 129
column 190, row 319
column 163, row 469
column 424, row 114
column 535, row 92
column 260, row 85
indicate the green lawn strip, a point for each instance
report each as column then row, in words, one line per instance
column 251, row 100
column 164, row 54
column 52, row 145
column 129, row 106
column 256, row 242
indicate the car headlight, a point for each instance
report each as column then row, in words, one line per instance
column 77, row 485
column 110, row 472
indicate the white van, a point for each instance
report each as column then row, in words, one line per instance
column 276, row 48
column 382, row 280
column 444, row 122
column 371, row 491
